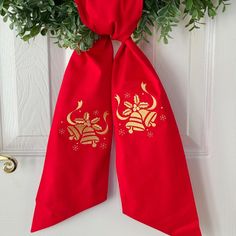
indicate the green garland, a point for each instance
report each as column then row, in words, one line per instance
column 60, row 19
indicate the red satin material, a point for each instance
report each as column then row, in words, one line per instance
column 154, row 183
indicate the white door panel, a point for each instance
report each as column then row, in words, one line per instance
column 198, row 72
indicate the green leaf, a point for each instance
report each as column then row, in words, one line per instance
column 44, row 31
column 35, row 31
column 1, row 4
column 26, row 37
column 11, row 26
column 189, row 4
column 211, row 12
column 5, row 18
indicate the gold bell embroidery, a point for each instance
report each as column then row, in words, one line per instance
column 139, row 115
column 84, row 129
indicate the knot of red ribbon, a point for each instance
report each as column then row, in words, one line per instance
column 101, row 94
column 117, row 19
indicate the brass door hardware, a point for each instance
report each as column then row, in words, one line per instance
column 9, row 163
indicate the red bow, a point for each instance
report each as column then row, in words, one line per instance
column 100, row 93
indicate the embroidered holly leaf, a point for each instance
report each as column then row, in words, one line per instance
column 86, row 116
column 97, row 127
column 95, row 120
column 127, row 112
column 136, row 99
column 143, row 105
column 128, row 104
column 79, row 120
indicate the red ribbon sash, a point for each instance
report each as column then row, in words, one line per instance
column 100, row 94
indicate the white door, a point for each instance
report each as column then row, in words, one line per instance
column 198, row 72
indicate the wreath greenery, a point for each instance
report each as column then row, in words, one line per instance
column 60, row 19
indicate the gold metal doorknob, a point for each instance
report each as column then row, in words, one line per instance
column 9, row 163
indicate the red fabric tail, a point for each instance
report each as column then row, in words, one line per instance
column 153, row 176
column 75, row 174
